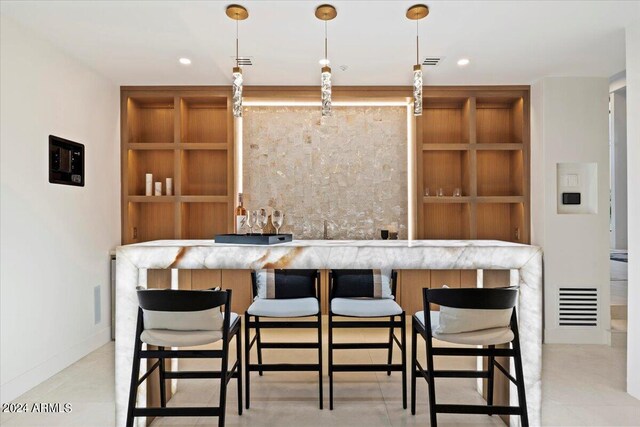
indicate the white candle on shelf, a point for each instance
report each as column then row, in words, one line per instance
column 169, row 186
column 158, row 191
column 148, row 178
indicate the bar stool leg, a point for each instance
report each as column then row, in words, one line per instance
column 320, row 391
column 259, row 345
column 239, row 358
column 135, row 372
column 432, row 382
column 330, row 361
column 414, row 356
column 247, row 359
column 490, row 368
column 522, row 399
column 223, row 383
column 163, row 383
column 390, row 356
column 403, row 351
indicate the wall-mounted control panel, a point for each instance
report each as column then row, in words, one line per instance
column 577, row 187
column 570, row 198
column 66, row 162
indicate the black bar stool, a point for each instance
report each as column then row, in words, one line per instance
column 485, row 317
column 282, row 294
column 174, row 318
column 366, row 294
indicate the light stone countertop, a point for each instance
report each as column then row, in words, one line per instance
column 524, row 261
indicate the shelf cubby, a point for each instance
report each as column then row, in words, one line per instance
column 204, row 172
column 499, row 120
column 141, row 162
column 447, row 170
column 204, row 119
column 500, row 173
column 203, row 220
column 150, row 221
column 150, row 120
column 501, row 221
column 445, row 121
column 446, row 221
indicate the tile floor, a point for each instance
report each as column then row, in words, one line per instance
column 582, row 385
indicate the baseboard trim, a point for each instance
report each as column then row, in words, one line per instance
column 577, row 336
column 26, row 381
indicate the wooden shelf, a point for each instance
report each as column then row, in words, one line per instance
column 150, row 221
column 203, row 119
column 499, row 120
column 501, row 221
column 445, row 120
column 160, row 163
column 500, row 173
column 447, row 221
column 447, row 170
column 203, row 220
column 475, row 139
column 152, row 199
column 187, row 135
column 446, row 199
column 204, row 173
column 150, row 119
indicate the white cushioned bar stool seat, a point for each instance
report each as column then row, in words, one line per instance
column 173, row 338
column 491, row 336
column 292, row 307
column 365, row 307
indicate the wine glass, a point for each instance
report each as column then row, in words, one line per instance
column 262, row 219
column 457, row 193
column 251, row 220
column 440, row 192
column 427, row 193
column 277, row 218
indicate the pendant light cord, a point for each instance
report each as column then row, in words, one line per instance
column 325, row 41
column 237, row 43
column 417, row 43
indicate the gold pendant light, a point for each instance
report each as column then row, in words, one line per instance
column 325, row 12
column 416, row 13
column 237, row 13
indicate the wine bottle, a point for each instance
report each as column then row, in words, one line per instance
column 241, row 214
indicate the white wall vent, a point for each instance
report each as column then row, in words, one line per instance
column 578, row 307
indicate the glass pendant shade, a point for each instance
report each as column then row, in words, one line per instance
column 417, row 90
column 237, row 92
column 326, row 91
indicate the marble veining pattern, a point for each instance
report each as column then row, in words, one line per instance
column 133, row 260
column 348, row 169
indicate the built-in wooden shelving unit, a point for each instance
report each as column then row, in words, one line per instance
column 477, row 140
column 185, row 134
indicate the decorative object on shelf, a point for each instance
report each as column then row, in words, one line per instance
column 237, row 13
column 158, row 188
column 169, row 186
column 457, row 192
column 440, row 192
column 326, row 12
column 416, row 13
column 393, row 235
column 241, row 214
column 277, row 219
column 427, row 193
column 384, row 234
column 253, row 239
column 148, row 181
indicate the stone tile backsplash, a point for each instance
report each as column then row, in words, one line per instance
column 349, row 169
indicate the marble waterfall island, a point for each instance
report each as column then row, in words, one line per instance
column 524, row 261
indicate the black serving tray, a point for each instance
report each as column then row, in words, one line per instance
column 254, row 239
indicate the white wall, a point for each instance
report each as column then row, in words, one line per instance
column 55, row 239
column 633, row 200
column 569, row 123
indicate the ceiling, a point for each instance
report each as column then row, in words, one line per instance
column 508, row 42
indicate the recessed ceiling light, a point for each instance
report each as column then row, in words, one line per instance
column 185, row 61
column 324, row 62
column 463, row 61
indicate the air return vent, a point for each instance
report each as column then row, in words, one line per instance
column 578, row 307
column 243, row 61
column 432, row 61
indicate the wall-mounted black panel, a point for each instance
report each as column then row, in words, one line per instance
column 571, row 198
column 66, row 162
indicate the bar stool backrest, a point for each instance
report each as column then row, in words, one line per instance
column 358, row 283
column 472, row 298
column 286, row 283
column 185, row 310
